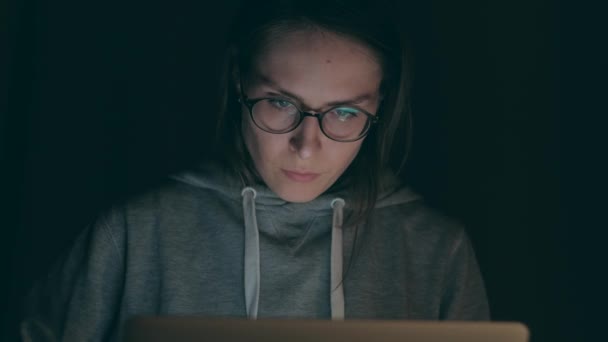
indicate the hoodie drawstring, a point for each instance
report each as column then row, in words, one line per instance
column 337, row 291
column 252, row 253
column 252, row 257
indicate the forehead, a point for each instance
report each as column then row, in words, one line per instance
column 319, row 64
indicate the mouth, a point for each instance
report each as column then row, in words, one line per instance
column 302, row 177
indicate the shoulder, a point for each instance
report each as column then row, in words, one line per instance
column 420, row 226
column 401, row 210
column 199, row 186
column 204, row 193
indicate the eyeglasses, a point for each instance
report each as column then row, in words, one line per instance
column 279, row 116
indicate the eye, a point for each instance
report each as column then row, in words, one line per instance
column 281, row 104
column 345, row 114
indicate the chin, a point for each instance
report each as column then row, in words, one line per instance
column 297, row 194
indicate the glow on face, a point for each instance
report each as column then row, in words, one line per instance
column 315, row 70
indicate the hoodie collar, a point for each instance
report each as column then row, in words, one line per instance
column 214, row 177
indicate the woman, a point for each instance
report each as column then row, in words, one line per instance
column 300, row 215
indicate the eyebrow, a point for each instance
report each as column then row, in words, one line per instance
column 280, row 91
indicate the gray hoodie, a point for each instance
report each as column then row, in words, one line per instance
column 205, row 245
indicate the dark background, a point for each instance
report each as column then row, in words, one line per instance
column 105, row 99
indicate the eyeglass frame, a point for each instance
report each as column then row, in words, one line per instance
column 249, row 103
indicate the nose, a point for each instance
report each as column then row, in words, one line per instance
column 305, row 140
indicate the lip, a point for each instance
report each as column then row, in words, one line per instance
column 298, row 176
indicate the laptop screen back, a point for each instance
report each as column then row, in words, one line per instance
column 187, row 328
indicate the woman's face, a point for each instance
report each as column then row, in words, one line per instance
column 313, row 69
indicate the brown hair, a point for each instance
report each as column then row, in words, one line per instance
column 369, row 22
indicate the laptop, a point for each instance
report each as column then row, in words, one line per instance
column 188, row 328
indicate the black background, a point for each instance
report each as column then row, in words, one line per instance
column 105, row 99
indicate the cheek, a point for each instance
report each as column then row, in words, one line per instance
column 263, row 147
column 251, row 138
column 344, row 153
